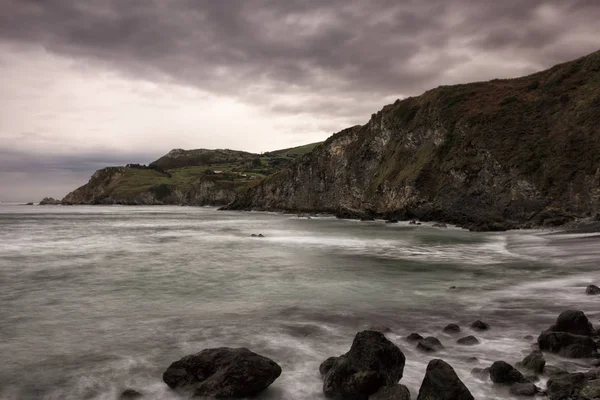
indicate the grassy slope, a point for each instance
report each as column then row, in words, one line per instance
column 233, row 166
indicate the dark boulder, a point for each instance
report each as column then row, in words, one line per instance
column 592, row 290
column 468, row 341
column 551, row 370
column 372, row 362
column 429, row 344
column 222, row 372
column 414, row 337
column 396, row 392
column 528, row 337
column 451, row 329
column 442, row 383
column 480, row 325
column 570, row 336
column 534, row 362
column 574, row 322
column 565, row 386
column 505, row 374
column 567, row 345
column 49, row 201
column 130, row 394
column 524, row 389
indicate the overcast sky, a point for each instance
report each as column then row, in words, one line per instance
column 85, row 84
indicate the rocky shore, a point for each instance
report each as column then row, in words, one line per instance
column 373, row 368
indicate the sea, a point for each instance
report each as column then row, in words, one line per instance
column 98, row 299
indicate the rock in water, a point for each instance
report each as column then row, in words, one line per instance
column 327, row 365
column 442, row 383
column 480, row 325
column 372, row 362
column 534, row 362
column 505, row 374
column 222, row 372
column 451, row 329
column 430, row 344
column 524, row 389
column 592, row 290
column 570, row 336
column 130, row 394
column 49, row 201
column 414, row 337
column 468, row 341
column 396, row 392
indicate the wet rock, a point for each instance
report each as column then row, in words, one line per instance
column 327, row 365
column 49, row 201
column 534, row 362
column 430, row 344
column 452, row 287
column 565, row 386
column 380, row 328
column 567, row 345
column 451, row 329
column 254, row 235
column 480, row 325
column 129, row 394
column 261, row 235
column 528, row 337
column 414, row 337
column 472, row 359
column 222, row 372
column 372, row 362
column 481, row 373
column 396, row 392
column 442, row 383
column 574, row 322
column 551, row 370
column 505, row 374
column 524, row 389
column 468, row 341
column 592, row 290
column 439, row 225
column 413, row 222
column 570, row 336
column 29, row 204
column 595, row 363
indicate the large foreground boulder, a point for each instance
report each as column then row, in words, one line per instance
column 565, row 386
column 442, row 383
column 222, row 372
column 574, row 322
column 505, row 374
column 372, row 362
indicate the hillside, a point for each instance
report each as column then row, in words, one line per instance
column 491, row 155
column 186, row 177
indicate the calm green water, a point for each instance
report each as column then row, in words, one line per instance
column 94, row 300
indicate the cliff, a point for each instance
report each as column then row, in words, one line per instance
column 491, row 155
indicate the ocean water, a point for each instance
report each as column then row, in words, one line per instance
column 94, row 300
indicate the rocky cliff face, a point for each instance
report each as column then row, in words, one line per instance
column 107, row 187
column 504, row 153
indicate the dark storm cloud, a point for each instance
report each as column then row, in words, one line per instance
column 339, row 49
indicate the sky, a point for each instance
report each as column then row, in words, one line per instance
column 87, row 84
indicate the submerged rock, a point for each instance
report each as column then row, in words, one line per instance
column 592, row 290
column 505, row 374
column 481, row 373
column 222, row 372
column 524, row 389
column 468, row 341
column 534, row 362
column 570, row 336
column 451, row 329
column 551, row 370
column 480, row 325
column 414, row 337
column 430, row 344
column 130, row 394
column 396, row 392
column 372, row 362
column 442, row 383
